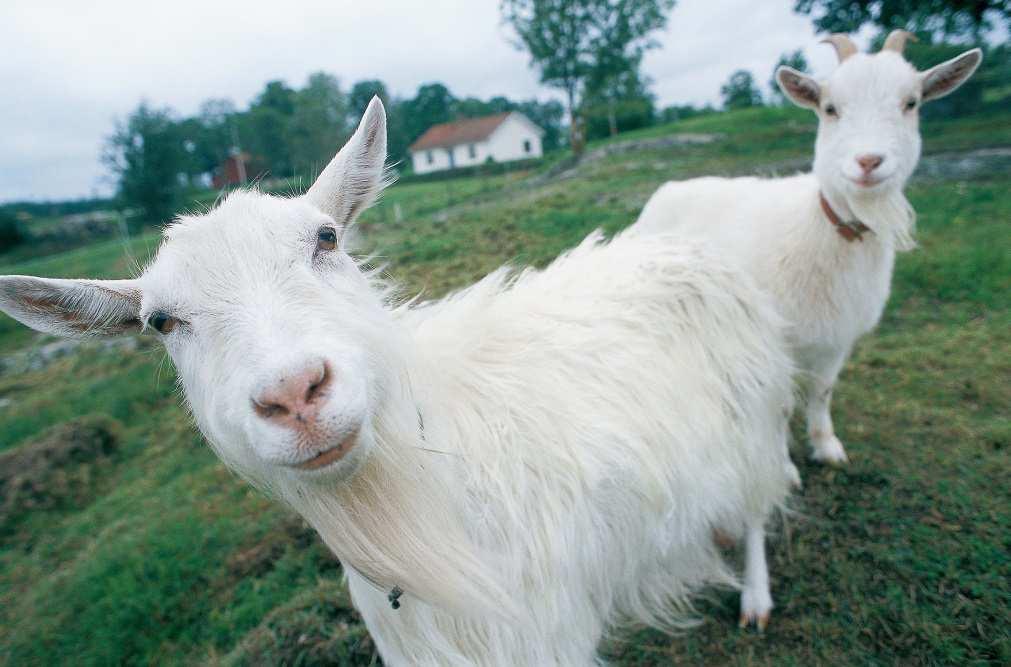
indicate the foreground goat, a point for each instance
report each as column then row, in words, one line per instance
column 504, row 473
column 824, row 243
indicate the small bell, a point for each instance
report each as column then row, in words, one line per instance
column 394, row 597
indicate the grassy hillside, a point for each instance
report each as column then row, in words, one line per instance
column 142, row 548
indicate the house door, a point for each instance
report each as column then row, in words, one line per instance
column 452, row 158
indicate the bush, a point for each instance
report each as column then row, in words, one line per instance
column 12, row 233
column 60, row 468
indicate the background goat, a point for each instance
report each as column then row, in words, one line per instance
column 529, row 461
column 824, row 243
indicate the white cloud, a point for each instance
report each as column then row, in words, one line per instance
column 69, row 69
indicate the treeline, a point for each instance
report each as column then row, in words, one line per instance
column 155, row 154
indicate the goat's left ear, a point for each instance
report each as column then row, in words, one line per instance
column 942, row 79
column 356, row 176
column 72, row 308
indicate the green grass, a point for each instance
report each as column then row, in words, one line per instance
column 902, row 557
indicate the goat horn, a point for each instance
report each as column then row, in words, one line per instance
column 844, row 46
column 896, row 40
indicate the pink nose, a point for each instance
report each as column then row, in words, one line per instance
column 870, row 162
column 293, row 401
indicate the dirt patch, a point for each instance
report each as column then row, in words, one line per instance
column 59, row 468
column 982, row 163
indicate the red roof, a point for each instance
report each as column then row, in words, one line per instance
column 461, row 132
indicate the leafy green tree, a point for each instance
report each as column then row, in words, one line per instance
column 11, row 231
column 318, row 123
column 570, row 41
column 617, row 100
column 797, row 61
column 432, row 104
column 207, row 138
column 945, row 18
column 361, row 94
column 740, row 91
column 263, row 129
column 549, row 116
column 145, row 153
column 472, row 107
column 278, row 96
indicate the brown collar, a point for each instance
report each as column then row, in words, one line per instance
column 850, row 231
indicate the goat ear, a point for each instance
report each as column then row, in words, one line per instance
column 942, row 79
column 356, row 176
column 72, row 308
column 800, row 88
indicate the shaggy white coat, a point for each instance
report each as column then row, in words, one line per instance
column 830, row 290
column 536, row 459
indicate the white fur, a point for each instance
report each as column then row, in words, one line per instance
column 831, row 291
column 539, row 457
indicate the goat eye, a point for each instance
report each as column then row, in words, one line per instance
column 162, row 322
column 831, row 110
column 326, row 239
column 910, row 104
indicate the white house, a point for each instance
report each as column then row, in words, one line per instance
column 466, row 143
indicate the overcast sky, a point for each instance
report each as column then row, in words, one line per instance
column 69, row 69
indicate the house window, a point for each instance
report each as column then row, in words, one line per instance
column 472, row 151
column 428, row 156
column 526, row 146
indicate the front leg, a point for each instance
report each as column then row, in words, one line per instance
column 756, row 598
column 824, row 443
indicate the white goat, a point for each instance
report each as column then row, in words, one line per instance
column 505, row 473
column 824, row 243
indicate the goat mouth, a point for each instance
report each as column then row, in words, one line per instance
column 328, row 456
column 869, row 181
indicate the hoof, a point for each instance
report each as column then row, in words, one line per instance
column 760, row 622
column 830, row 451
column 756, row 607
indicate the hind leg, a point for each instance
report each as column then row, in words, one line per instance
column 756, row 598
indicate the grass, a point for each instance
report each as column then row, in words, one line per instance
column 902, row 557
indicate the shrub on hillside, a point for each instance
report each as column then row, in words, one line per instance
column 60, row 468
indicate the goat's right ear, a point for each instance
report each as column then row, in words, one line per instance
column 72, row 308
column 800, row 88
column 356, row 176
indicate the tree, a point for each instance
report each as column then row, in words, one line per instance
column 277, row 96
column 617, row 100
column 944, row 18
column 145, row 153
column 207, row 137
column 797, row 61
column 548, row 115
column 571, row 40
column 740, row 91
column 263, row 129
column 11, row 232
column 432, row 104
column 318, row 123
column 362, row 93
